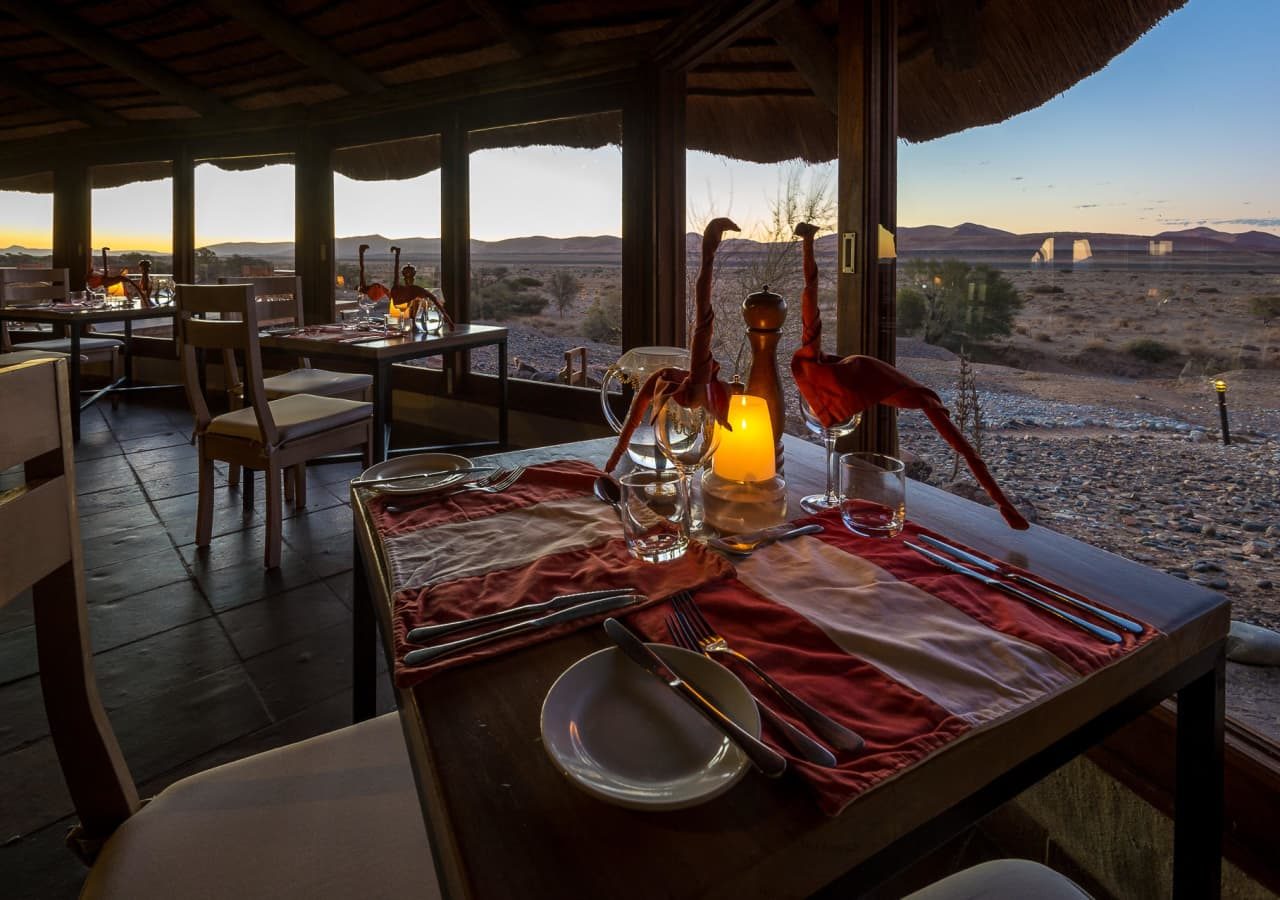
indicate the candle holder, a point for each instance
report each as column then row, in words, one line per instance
column 743, row 491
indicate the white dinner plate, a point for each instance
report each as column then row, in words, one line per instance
column 413, row 464
column 622, row 736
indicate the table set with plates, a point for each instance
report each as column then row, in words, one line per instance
column 827, row 707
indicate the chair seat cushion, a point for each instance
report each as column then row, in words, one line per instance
column 1003, row 879
column 316, row 381
column 295, row 417
column 63, row 345
column 21, row 356
column 333, row 816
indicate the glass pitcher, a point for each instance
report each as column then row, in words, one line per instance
column 632, row 370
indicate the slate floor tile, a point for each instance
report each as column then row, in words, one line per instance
column 125, row 518
column 162, row 662
column 245, row 582
column 124, row 545
column 95, row 502
column 297, row 675
column 113, row 623
column 99, row 445
column 123, row 577
column 40, row 867
column 179, row 516
column 103, row 474
column 17, row 614
column 18, row 654
column 33, row 793
column 22, row 717
column 184, row 453
column 165, row 436
column 256, row 628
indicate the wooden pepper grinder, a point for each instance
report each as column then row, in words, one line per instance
column 764, row 313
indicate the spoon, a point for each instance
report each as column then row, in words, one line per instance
column 607, row 489
column 744, row 544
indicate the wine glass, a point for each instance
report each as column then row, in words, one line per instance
column 366, row 306
column 816, row 503
column 688, row 437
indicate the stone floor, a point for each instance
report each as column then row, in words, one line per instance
column 201, row 657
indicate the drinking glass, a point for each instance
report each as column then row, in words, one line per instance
column 873, row 494
column 365, row 304
column 830, row 499
column 688, row 437
column 654, row 511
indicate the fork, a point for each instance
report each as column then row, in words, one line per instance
column 495, row 483
column 710, row 641
column 806, row 746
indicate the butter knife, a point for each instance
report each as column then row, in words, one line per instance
column 424, row 633
column 581, row 611
column 1118, row 621
column 767, row 760
column 1103, row 634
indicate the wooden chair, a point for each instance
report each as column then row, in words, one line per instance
column 279, row 300
column 40, row 285
column 333, row 816
column 271, row 435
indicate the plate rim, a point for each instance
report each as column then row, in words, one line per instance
column 460, row 462
column 753, row 727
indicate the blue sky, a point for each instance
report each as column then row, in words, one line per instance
column 1181, row 129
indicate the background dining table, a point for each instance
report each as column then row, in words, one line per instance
column 505, row 822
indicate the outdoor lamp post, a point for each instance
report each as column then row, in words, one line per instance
column 1221, row 387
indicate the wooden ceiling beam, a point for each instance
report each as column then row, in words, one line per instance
column 708, row 28
column 800, row 35
column 307, row 49
column 59, row 23
column 63, row 101
column 510, row 26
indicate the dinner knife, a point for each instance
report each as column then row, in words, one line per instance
column 443, row 474
column 767, row 760
column 424, row 633
column 1118, row 621
column 750, row 541
column 1101, row 633
column 581, row 611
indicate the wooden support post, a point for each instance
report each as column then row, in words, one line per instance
column 455, row 233
column 184, row 217
column 313, row 228
column 867, row 177
column 71, row 222
column 653, row 210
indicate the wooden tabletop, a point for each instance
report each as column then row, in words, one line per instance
column 85, row 315
column 407, row 346
column 504, row 822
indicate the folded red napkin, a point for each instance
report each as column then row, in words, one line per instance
column 474, row 553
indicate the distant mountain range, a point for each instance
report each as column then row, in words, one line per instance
column 967, row 236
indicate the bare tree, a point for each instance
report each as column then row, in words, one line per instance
column 564, row 288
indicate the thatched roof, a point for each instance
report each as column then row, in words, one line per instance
column 71, row 65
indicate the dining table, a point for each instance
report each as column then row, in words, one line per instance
column 72, row 318
column 376, row 353
column 504, row 821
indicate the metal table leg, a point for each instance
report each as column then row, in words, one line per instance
column 364, row 636
column 381, row 410
column 1197, row 825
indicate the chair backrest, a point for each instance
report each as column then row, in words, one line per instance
column 235, row 329
column 29, row 286
column 41, row 550
column 279, row 297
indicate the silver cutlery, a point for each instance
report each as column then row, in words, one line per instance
column 765, row 758
column 1103, row 634
column 424, row 633
column 1118, row 621
column 581, row 611
column 806, row 746
column 825, row 727
column 744, row 544
column 445, row 476
column 495, row 483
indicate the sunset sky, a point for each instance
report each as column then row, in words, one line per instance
column 1180, row 130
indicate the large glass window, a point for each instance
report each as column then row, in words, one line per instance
column 546, row 246
column 244, row 217
column 26, row 220
column 132, row 214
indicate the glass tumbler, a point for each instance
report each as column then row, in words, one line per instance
column 654, row 515
column 873, row 494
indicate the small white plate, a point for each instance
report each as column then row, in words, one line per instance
column 622, row 736
column 413, row 464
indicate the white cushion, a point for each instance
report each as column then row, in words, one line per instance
column 21, row 356
column 295, row 417
column 316, row 381
column 1003, row 879
column 63, row 345
column 334, row 816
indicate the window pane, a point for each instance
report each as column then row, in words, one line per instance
column 546, row 251
column 132, row 214
column 26, row 220
column 244, row 217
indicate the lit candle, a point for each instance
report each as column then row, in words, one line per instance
column 746, row 453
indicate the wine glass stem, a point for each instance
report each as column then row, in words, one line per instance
column 829, row 439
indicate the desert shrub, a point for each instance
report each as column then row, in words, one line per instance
column 1150, row 351
column 528, row 281
column 959, row 302
column 1047, row 289
column 603, row 321
column 1044, row 338
column 911, row 311
column 1265, row 308
column 508, row 299
column 564, row 288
